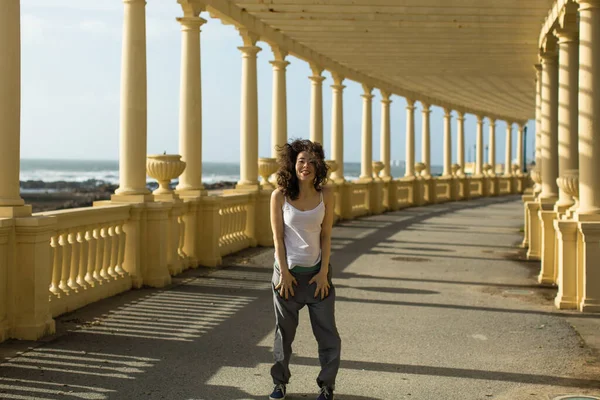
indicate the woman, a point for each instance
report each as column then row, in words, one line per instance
column 301, row 220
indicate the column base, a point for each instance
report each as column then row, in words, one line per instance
column 15, row 211
column 565, row 303
column 590, row 305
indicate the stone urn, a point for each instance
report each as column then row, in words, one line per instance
column 455, row 169
column 164, row 168
column 377, row 168
column 266, row 168
column 332, row 166
column 569, row 183
column 419, row 168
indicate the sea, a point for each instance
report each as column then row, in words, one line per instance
column 107, row 171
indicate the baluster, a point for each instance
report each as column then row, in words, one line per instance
column 99, row 255
column 83, row 258
column 180, row 249
column 74, row 264
column 105, row 239
column 91, row 257
column 114, row 251
column 66, row 263
column 56, row 265
column 121, row 253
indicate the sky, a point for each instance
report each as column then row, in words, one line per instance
column 71, row 69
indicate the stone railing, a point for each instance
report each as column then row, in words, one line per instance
column 87, row 254
column 69, row 258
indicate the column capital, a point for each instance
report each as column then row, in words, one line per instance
column 537, row 68
column 192, row 8
column 480, row 119
column 191, row 23
column 447, row 112
column 338, row 87
column 249, row 38
column 279, row 64
column 367, row 97
column 317, row 79
column 549, row 49
column 492, row 122
column 248, row 51
column 426, row 108
column 410, row 103
column 367, row 90
column 460, row 115
column 566, row 35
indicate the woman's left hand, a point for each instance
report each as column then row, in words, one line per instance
column 322, row 284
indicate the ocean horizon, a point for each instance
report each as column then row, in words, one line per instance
column 107, row 171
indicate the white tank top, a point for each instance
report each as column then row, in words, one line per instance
column 302, row 234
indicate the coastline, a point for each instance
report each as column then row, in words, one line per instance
column 60, row 195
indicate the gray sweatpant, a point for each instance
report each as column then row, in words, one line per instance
column 322, row 319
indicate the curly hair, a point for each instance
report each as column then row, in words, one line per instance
column 287, row 156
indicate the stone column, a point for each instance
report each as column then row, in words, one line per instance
column 520, row 157
column 589, row 106
column 492, row 144
column 568, row 112
column 460, row 141
column 479, row 155
column 366, row 167
column 190, row 108
column 11, row 203
column 279, row 110
column 508, row 150
column 549, row 114
column 410, row 138
column 385, row 134
column 425, row 140
column 132, row 154
column 447, row 142
column 249, row 114
column 538, row 115
column 337, row 127
column 316, row 104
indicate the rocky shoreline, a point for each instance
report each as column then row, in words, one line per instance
column 60, row 195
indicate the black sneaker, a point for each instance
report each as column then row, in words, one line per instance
column 278, row 392
column 326, row 393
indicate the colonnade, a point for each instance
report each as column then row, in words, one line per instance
column 562, row 214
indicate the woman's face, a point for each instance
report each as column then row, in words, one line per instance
column 305, row 166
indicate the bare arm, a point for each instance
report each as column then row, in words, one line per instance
column 327, row 227
column 286, row 279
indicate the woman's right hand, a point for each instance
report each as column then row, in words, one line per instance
column 286, row 284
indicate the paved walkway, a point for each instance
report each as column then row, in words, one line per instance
column 433, row 303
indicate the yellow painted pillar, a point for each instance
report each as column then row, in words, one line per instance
column 337, row 127
column 447, row 142
column 508, row 150
column 316, row 104
column 460, row 141
column 366, row 167
column 249, row 114
column 549, row 123
column 520, row 158
column 479, row 155
column 568, row 111
column 279, row 107
column 492, row 146
column 410, row 138
column 133, row 142
column 538, row 115
column 11, row 203
column 385, row 134
column 589, row 107
column 190, row 108
column 425, row 139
